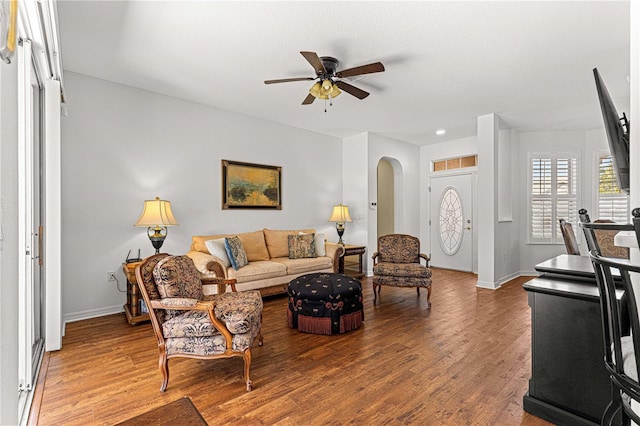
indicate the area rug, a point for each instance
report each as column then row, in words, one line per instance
column 181, row 412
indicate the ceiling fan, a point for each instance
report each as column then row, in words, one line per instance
column 327, row 86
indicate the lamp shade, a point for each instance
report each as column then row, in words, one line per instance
column 340, row 214
column 156, row 213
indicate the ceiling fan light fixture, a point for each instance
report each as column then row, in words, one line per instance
column 315, row 89
column 327, row 86
column 335, row 92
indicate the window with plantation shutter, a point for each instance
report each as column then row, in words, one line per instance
column 611, row 202
column 553, row 195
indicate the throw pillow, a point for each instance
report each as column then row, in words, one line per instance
column 301, row 246
column 319, row 243
column 278, row 243
column 217, row 249
column 254, row 245
column 235, row 251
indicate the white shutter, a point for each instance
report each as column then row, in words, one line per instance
column 541, row 210
column 553, row 195
column 566, row 192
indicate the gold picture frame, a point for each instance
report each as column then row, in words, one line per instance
column 251, row 186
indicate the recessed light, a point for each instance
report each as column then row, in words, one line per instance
column 441, row 132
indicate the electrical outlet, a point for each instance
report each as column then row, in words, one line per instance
column 111, row 276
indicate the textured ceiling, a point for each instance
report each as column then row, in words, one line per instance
column 446, row 62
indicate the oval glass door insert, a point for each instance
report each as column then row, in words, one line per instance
column 451, row 225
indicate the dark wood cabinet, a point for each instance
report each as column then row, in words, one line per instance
column 351, row 261
column 569, row 384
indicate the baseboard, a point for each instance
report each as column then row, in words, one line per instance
column 508, row 278
column 489, row 285
column 504, row 280
column 92, row 313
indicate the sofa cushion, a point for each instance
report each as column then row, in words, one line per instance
column 278, row 241
column 235, row 251
column 301, row 246
column 298, row 266
column 254, row 245
column 259, row 270
column 216, row 248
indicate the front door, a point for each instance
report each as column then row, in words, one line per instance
column 451, row 222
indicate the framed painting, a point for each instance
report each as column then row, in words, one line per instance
column 251, row 186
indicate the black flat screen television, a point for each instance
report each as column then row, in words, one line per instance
column 617, row 133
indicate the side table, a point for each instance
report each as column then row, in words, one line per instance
column 133, row 307
column 352, row 250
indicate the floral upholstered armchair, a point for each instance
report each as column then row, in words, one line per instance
column 397, row 263
column 188, row 324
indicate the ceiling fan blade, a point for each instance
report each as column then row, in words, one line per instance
column 312, row 58
column 352, row 90
column 363, row 69
column 309, row 99
column 286, row 80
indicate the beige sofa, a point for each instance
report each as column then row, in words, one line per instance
column 269, row 269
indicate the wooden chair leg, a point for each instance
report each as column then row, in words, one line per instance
column 164, row 369
column 429, row 297
column 260, row 341
column 418, row 290
column 375, row 297
column 247, row 368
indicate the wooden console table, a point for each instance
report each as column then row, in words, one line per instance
column 133, row 308
column 351, row 250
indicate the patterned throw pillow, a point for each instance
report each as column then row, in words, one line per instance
column 301, row 246
column 235, row 251
column 319, row 243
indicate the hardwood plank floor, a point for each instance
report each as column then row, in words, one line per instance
column 464, row 362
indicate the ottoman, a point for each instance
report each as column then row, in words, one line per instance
column 323, row 303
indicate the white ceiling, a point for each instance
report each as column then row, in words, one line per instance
column 446, row 62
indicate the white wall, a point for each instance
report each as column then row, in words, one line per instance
column 428, row 154
column 355, row 190
column 515, row 255
column 122, row 145
column 587, row 144
column 507, row 242
column 407, row 193
column 9, row 243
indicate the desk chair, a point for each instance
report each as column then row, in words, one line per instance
column 620, row 322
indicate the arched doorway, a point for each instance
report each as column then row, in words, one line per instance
column 385, row 198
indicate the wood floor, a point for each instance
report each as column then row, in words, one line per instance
column 464, row 362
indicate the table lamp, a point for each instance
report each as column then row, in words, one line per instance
column 156, row 216
column 340, row 215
